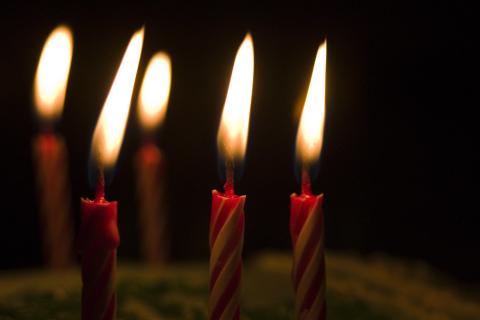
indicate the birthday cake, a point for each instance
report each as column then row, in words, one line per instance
column 357, row 288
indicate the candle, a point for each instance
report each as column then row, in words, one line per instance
column 306, row 219
column 98, row 235
column 49, row 151
column 227, row 215
column 149, row 160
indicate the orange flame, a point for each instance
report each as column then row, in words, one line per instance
column 52, row 73
column 155, row 91
column 310, row 131
column 108, row 134
column 233, row 130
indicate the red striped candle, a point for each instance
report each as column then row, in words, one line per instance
column 150, row 161
column 149, row 166
column 306, row 213
column 98, row 242
column 98, row 235
column 226, row 244
column 308, row 273
column 227, row 217
column 50, row 153
column 52, row 180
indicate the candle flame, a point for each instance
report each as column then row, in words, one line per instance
column 310, row 131
column 155, row 91
column 108, row 134
column 233, row 130
column 52, row 73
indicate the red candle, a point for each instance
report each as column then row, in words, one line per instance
column 98, row 235
column 149, row 165
column 306, row 219
column 308, row 274
column 150, row 162
column 49, row 149
column 226, row 244
column 98, row 242
column 53, row 189
column 227, row 215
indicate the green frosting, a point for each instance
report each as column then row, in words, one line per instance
column 357, row 288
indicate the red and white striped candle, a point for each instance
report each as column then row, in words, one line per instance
column 307, row 227
column 50, row 156
column 150, row 161
column 98, row 235
column 227, row 225
column 227, row 219
column 50, row 152
column 98, row 242
column 308, row 274
column 150, row 175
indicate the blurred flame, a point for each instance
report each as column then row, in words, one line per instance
column 233, row 130
column 155, row 91
column 310, row 131
column 52, row 73
column 108, row 134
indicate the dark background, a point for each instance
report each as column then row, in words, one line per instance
column 397, row 163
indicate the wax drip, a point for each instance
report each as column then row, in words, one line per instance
column 228, row 186
column 306, row 183
column 100, row 191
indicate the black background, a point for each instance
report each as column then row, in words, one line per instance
column 398, row 157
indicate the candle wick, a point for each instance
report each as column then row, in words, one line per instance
column 229, row 186
column 47, row 129
column 148, row 137
column 100, row 192
column 306, row 183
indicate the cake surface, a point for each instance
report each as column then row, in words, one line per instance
column 357, row 288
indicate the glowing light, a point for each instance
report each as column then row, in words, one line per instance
column 310, row 131
column 155, row 91
column 52, row 73
column 233, row 130
column 108, row 134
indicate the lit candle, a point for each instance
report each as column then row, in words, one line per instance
column 49, row 149
column 98, row 235
column 149, row 161
column 227, row 216
column 306, row 220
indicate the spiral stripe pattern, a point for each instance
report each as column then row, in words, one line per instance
column 226, row 245
column 98, row 243
column 308, row 273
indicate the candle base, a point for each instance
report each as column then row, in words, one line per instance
column 308, row 272
column 226, row 245
column 98, row 242
column 54, row 199
column 149, row 165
